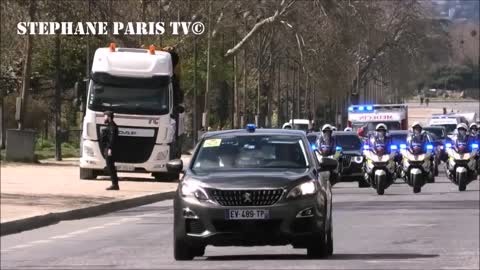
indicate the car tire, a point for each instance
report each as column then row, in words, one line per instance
column 166, row 177
column 318, row 249
column 182, row 252
column 88, row 174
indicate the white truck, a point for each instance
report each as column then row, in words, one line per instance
column 136, row 84
column 301, row 124
column 395, row 116
column 449, row 121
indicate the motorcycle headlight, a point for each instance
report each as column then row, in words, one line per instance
column 358, row 159
column 302, row 189
column 194, row 191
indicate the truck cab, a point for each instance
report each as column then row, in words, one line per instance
column 135, row 84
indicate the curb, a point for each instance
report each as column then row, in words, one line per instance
column 30, row 223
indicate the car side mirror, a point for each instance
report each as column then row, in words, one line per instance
column 175, row 166
column 328, row 164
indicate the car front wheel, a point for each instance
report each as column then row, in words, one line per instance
column 182, row 252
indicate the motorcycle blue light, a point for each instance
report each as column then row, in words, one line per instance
column 448, row 145
column 338, row 148
column 313, row 146
column 474, row 145
column 403, row 146
column 393, row 147
column 251, row 127
column 366, row 147
column 429, row 147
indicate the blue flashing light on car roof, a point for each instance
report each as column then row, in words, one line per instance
column 393, row 147
column 429, row 146
column 474, row 145
column 403, row 146
column 251, row 127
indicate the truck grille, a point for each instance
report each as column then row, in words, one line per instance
column 246, row 197
column 131, row 149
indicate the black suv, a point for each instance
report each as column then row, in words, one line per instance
column 351, row 160
column 254, row 187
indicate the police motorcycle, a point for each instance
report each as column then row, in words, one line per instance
column 475, row 133
column 379, row 166
column 417, row 159
column 462, row 157
column 328, row 149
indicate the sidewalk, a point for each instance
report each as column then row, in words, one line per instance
column 30, row 190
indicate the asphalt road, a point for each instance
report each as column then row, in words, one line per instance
column 436, row 229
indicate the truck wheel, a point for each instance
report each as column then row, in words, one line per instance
column 88, row 174
column 167, row 177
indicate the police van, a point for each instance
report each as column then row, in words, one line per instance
column 449, row 121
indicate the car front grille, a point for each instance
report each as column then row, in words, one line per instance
column 246, row 197
column 247, row 226
column 346, row 160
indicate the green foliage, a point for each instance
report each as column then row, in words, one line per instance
column 455, row 77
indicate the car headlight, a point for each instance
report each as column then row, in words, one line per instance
column 193, row 190
column 302, row 189
column 357, row 159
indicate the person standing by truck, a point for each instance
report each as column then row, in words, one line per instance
column 110, row 147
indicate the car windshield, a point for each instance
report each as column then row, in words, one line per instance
column 348, row 142
column 398, row 139
column 438, row 132
column 129, row 95
column 250, row 152
column 450, row 128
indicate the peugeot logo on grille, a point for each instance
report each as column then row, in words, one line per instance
column 247, row 197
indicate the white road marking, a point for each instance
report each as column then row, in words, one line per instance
column 41, row 242
column 418, row 225
column 21, row 246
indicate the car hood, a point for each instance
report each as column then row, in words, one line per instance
column 251, row 179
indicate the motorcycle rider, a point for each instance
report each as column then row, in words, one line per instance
column 474, row 133
column 379, row 136
column 418, row 135
column 462, row 136
column 326, row 142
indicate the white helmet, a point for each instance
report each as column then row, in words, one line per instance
column 416, row 124
column 348, row 129
column 334, row 128
column 462, row 125
column 472, row 125
column 326, row 127
column 381, row 126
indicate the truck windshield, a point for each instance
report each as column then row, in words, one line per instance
column 250, row 152
column 148, row 96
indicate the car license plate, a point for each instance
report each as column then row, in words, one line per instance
column 127, row 168
column 247, row 214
